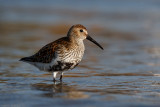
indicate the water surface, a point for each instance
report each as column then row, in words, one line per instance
column 125, row 74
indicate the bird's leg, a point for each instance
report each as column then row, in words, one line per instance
column 61, row 76
column 54, row 76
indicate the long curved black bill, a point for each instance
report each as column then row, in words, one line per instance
column 92, row 40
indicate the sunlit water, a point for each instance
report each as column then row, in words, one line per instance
column 126, row 73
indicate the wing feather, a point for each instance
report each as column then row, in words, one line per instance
column 48, row 52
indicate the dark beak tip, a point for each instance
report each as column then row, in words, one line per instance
column 92, row 40
column 101, row 47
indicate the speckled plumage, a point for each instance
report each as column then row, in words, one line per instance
column 62, row 54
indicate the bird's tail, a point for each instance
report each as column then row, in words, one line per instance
column 26, row 59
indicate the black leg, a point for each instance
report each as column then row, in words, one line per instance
column 54, row 80
column 61, row 78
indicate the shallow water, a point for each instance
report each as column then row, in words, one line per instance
column 126, row 73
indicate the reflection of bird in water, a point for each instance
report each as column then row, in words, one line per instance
column 53, row 90
column 62, row 54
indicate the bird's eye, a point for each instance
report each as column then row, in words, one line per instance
column 81, row 30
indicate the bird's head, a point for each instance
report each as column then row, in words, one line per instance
column 79, row 32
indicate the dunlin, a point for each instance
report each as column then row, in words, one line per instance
column 62, row 54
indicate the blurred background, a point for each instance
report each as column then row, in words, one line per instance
column 125, row 74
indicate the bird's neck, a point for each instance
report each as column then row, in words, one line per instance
column 77, row 42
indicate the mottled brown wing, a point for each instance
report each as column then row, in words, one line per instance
column 47, row 53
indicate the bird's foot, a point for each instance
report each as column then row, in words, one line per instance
column 54, row 80
column 60, row 78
